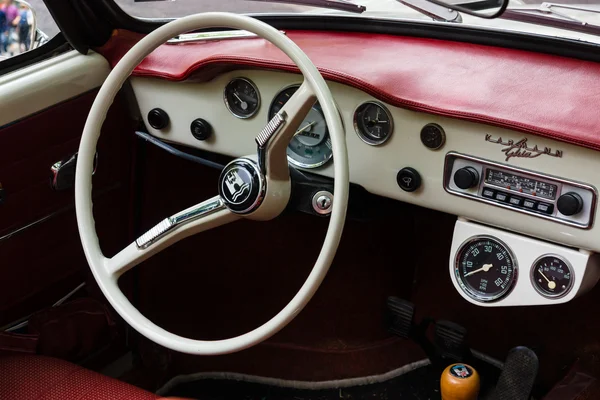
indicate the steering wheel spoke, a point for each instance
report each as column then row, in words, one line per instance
column 201, row 217
column 272, row 143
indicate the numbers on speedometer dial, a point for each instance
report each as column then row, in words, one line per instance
column 485, row 268
column 311, row 146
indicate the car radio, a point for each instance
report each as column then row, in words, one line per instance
column 544, row 196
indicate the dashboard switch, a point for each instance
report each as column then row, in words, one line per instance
column 489, row 193
column 515, row 200
column 466, row 177
column 201, row 129
column 158, row 118
column 408, row 179
column 569, row 203
column 530, row 204
column 501, row 196
column 546, row 208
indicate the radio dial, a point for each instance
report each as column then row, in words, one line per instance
column 569, row 203
column 466, row 177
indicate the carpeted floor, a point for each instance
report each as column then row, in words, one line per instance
column 419, row 383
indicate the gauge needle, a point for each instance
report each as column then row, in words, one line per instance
column 551, row 284
column 485, row 268
column 305, row 127
column 243, row 103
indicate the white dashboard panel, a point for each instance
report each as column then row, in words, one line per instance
column 585, row 265
column 375, row 167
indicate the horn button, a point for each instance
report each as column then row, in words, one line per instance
column 242, row 186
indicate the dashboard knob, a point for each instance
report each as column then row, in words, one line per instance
column 570, row 203
column 158, row 118
column 201, row 129
column 466, row 177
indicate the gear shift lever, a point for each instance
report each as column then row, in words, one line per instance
column 459, row 382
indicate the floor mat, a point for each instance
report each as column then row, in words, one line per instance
column 418, row 381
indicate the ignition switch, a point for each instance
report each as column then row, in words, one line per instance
column 322, row 202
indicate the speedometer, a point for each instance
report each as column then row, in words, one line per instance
column 485, row 268
column 311, row 146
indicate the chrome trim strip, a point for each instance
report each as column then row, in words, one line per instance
column 270, row 129
column 265, row 135
column 183, row 217
column 522, row 171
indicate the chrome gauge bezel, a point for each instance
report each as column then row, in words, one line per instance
column 254, row 87
column 541, row 292
column 466, row 288
column 297, row 163
column 362, row 135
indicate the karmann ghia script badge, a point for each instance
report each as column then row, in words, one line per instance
column 520, row 149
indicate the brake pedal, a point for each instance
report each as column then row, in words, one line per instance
column 451, row 340
column 401, row 316
column 518, row 376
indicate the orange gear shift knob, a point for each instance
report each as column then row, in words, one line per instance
column 459, row 382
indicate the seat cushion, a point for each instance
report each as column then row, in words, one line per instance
column 27, row 377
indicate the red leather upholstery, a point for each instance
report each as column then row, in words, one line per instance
column 532, row 92
column 44, row 378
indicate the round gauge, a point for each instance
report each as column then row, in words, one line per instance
column 552, row 276
column 311, row 145
column 485, row 268
column 241, row 97
column 433, row 136
column 373, row 123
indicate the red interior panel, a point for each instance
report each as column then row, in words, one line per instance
column 542, row 94
column 43, row 262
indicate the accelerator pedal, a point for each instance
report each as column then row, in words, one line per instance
column 518, row 376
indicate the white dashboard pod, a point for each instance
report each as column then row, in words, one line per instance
column 104, row 270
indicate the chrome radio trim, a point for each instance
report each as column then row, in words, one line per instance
column 522, row 171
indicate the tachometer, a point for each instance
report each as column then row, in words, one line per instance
column 241, row 97
column 552, row 276
column 485, row 268
column 311, row 146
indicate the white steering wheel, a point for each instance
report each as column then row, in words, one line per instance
column 250, row 187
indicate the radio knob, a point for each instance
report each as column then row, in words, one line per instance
column 466, row 177
column 569, row 203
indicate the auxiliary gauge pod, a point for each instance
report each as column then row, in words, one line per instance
column 457, row 369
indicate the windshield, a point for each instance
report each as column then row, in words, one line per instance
column 572, row 19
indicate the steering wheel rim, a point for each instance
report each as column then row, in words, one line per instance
column 100, row 265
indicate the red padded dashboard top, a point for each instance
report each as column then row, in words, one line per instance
column 537, row 93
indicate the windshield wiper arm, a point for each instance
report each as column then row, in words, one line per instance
column 546, row 14
column 432, row 10
column 341, row 5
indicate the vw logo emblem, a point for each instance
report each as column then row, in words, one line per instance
column 241, row 186
column 236, row 185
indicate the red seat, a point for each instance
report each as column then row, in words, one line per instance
column 44, row 378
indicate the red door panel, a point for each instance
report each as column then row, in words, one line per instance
column 40, row 254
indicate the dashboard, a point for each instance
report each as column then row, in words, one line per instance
column 526, row 203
